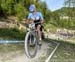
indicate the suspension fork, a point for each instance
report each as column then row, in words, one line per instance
column 36, row 35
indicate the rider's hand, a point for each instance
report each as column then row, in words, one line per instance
column 42, row 21
column 29, row 21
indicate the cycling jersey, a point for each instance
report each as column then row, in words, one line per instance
column 35, row 17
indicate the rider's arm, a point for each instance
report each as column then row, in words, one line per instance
column 41, row 16
column 29, row 18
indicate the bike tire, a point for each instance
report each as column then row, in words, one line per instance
column 26, row 46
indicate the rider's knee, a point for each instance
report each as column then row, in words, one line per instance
column 38, row 28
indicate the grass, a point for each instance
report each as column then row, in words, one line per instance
column 6, row 48
column 64, row 53
column 9, row 51
column 12, row 34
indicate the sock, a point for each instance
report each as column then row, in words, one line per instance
column 40, row 39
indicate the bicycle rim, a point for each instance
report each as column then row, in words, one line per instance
column 30, row 51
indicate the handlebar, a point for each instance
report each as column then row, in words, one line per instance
column 36, row 23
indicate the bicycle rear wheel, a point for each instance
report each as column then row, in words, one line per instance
column 30, row 45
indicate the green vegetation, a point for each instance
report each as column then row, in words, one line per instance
column 12, row 34
column 64, row 53
column 10, row 47
column 19, row 9
column 68, row 22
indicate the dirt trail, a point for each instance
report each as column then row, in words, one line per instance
column 19, row 56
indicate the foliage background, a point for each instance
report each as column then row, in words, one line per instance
column 19, row 9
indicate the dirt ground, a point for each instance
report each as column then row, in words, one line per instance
column 16, row 53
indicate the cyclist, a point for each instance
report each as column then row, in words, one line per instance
column 36, row 17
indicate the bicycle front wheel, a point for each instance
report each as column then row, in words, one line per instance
column 30, row 45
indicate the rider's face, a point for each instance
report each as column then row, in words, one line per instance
column 34, row 11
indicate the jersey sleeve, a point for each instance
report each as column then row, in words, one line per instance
column 41, row 16
column 29, row 16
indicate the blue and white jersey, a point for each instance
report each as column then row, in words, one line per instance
column 37, row 16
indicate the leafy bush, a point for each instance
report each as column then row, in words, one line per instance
column 20, row 11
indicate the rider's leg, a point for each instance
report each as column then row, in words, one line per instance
column 39, row 32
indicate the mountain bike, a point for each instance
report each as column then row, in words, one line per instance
column 31, row 41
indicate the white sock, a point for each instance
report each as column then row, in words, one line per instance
column 40, row 39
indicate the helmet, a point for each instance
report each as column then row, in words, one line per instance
column 32, row 8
